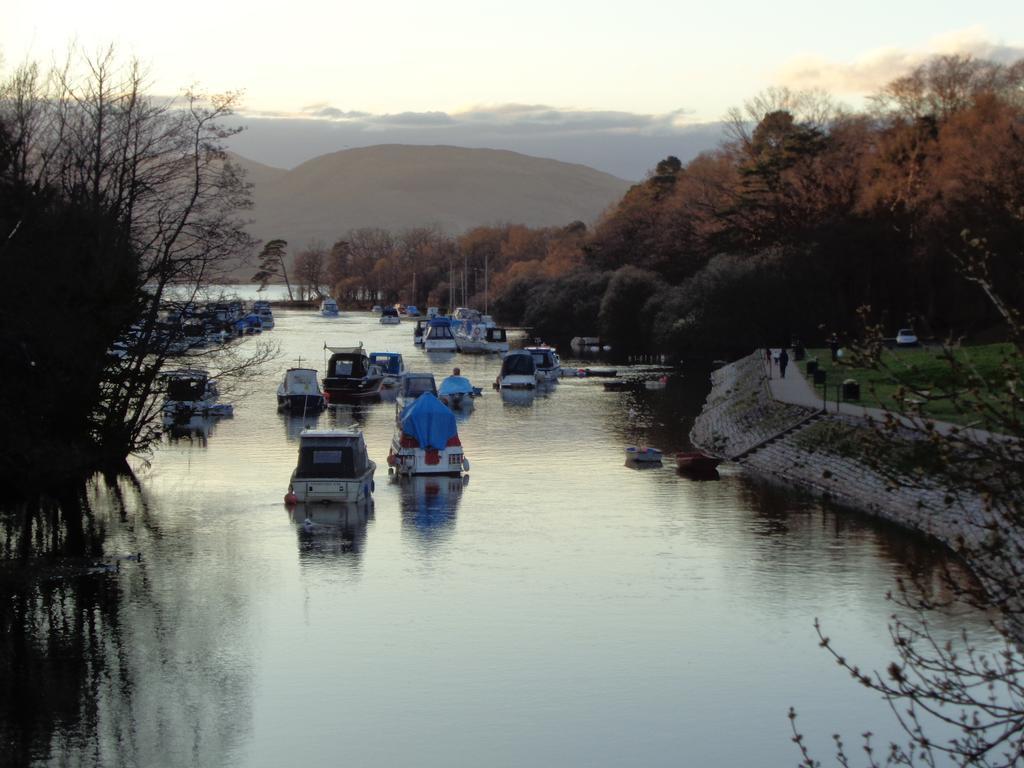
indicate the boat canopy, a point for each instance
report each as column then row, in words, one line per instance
column 518, row 364
column 496, row 334
column 542, row 356
column 331, row 454
column 186, row 384
column 389, row 312
column 301, row 380
column 455, row 385
column 429, row 421
column 436, row 322
column 415, row 384
column 390, row 362
column 348, row 362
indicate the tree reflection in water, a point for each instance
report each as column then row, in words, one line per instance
column 104, row 658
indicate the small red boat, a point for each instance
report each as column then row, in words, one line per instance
column 695, row 461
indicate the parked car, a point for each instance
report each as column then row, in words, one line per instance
column 905, row 337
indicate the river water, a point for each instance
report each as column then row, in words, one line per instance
column 559, row 608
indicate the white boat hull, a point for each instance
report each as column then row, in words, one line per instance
column 389, row 320
column 440, row 345
column 417, row 461
column 315, row 489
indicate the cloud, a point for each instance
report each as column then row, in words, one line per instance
column 500, row 118
column 873, row 69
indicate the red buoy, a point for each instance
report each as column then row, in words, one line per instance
column 290, row 498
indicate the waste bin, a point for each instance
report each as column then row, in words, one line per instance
column 819, row 376
column 851, row 390
column 812, row 366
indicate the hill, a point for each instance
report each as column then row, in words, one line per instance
column 399, row 186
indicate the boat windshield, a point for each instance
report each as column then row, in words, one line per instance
column 518, row 365
column 186, row 389
column 417, row 385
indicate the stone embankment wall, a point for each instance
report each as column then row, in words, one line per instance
column 741, row 421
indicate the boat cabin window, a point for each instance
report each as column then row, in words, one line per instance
column 519, row 365
column 326, row 462
column 186, row 389
column 343, row 368
column 419, row 385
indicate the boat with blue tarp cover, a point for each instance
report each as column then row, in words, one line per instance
column 457, row 392
column 426, row 440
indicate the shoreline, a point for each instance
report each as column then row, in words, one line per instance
column 742, row 421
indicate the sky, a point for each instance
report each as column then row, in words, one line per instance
column 510, row 74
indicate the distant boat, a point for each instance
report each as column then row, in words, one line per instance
column 483, row 339
column 696, row 461
column 643, row 455
column 389, row 316
column 329, row 307
column 190, row 391
column 412, row 385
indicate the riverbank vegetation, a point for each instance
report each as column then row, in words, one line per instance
column 808, row 212
column 109, row 201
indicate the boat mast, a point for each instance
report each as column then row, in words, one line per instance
column 485, row 283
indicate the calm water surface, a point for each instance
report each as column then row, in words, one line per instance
column 558, row 609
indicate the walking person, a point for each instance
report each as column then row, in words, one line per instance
column 783, row 362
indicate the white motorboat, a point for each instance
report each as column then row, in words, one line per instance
column 332, row 466
column 483, row 339
column 438, row 336
column 412, row 385
column 329, row 307
column 549, row 367
column 426, row 440
column 299, row 391
column 518, row 371
column 389, row 316
column 266, row 316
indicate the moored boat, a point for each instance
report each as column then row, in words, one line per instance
column 412, row 385
column 518, row 371
column 350, row 375
column 549, row 367
column 329, row 307
column 333, row 466
column 391, row 365
column 189, row 391
column 426, row 440
column 643, row 455
column 696, row 461
column 299, row 391
column 457, row 392
column 438, row 336
column 389, row 316
column 482, row 340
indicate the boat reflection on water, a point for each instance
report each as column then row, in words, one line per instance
column 293, row 425
column 698, row 473
column 346, row 414
column 195, row 428
column 333, row 528
column 430, row 503
column 522, row 398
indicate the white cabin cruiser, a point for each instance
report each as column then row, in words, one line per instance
column 518, row 371
column 412, row 385
column 439, row 337
column 389, row 316
column 426, row 440
column 333, row 466
column 549, row 366
column 329, row 307
column 391, row 365
column 483, row 340
column 299, row 392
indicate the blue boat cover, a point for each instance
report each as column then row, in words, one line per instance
column 436, row 321
column 455, row 385
column 429, row 421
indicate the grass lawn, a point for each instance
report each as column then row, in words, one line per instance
column 922, row 369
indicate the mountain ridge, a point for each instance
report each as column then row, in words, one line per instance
column 398, row 186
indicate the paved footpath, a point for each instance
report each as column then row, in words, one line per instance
column 796, row 390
